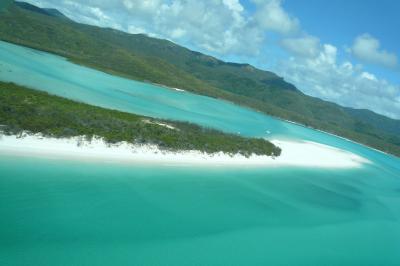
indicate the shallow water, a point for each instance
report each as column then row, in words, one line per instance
column 84, row 213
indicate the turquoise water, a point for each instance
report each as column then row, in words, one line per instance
column 84, row 213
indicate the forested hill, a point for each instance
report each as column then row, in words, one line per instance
column 159, row 61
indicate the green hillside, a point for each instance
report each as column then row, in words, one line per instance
column 159, row 61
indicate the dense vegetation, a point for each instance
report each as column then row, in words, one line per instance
column 23, row 109
column 143, row 58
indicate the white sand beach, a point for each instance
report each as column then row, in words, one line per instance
column 337, row 136
column 294, row 153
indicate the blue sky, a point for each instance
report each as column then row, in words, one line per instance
column 338, row 21
column 343, row 51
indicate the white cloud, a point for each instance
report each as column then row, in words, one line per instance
column 271, row 16
column 178, row 33
column 233, row 5
column 304, row 46
column 147, row 6
column 218, row 26
column 369, row 76
column 135, row 30
column 343, row 83
column 367, row 48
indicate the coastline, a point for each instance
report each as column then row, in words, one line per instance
column 294, row 153
column 111, row 72
column 340, row 137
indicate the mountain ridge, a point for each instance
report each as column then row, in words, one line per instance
column 44, row 11
column 143, row 58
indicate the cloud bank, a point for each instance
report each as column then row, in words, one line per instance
column 219, row 26
column 367, row 49
column 344, row 83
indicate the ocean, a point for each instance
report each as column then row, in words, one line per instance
column 60, row 212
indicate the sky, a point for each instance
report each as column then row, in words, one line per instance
column 345, row 51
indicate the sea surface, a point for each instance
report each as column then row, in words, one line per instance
column 59, row 212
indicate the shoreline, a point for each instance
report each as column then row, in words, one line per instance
column 124, row 76
column 340, row 137
column 294, row 153
column 354, row 142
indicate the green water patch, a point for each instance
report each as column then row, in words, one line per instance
column 74, row 213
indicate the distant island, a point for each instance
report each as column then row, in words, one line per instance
column 34, row 123
column 30, row 111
